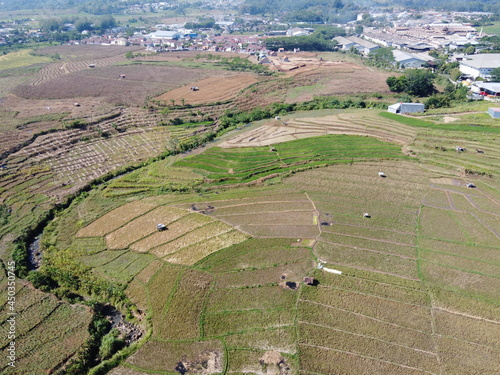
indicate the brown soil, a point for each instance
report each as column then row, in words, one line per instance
column 210, row 90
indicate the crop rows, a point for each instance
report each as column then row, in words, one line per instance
column 233, row 165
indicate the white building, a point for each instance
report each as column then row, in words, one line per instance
column 410, row 60
column 480, row 65
column 297, row 31
column 494, row 112
column 164, row 34
column 406, row 108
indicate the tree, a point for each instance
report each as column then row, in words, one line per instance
column 470, row 50
column 83, row 24
column 417, row 82
column 396, row 84
column 495, row 75
column 420, row 82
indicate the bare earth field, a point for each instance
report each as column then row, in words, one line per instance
column 140, row 81
column 211, row 90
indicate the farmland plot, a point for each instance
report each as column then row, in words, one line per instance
column 455, row 279
column 241, row 321
column 260, row 361
column 367, row 259
column 200, row 234
column 316, row 314
column 279, row 339
column 115, row 219
column 341, row 342
column 261, row 298
column 143, row 226
column 466, row 328
column 330, row 361
column 264, row 254
column 190, row 255
column 271, row 275
column 460, row 357
column 161, row 356
column 440, row 224
column 126, row 266
column 176, row 229
column 182, row 318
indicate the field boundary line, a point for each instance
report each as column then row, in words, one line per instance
column 493, row 231
column 448, row 196
column 170, row 223
column 375, row 271
column 367, row 336
column 373, row 295
column 368, row 357
column 433, row 186
column 364, row 316
column 249, row 269
column 377, row 228
column 462, row 269
column 232, row 229
column 449, row 311
column 384, row 283
column 227, row 312
column 366, row 249
column 474, row 204
column 260, row 213
column 370, row 239
column 182, row 235
column 461, row 256
column 434, row 333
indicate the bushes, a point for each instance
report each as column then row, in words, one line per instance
column 110, row 344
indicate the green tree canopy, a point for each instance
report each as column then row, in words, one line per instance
column 416, row 82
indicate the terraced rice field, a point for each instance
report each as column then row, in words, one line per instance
column 296, row 127
column 409, row 288
column 47, row 330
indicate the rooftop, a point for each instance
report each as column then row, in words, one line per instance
column 486, row 60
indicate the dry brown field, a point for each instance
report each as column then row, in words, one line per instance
column 105, row 82
column 211, row 90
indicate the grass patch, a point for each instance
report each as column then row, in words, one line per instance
column 431, row 125
column 20, row 59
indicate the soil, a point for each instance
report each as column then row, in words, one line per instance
column 209, row 362
column 273, row 363
column 210, row 90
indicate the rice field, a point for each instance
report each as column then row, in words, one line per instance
column 415, row 281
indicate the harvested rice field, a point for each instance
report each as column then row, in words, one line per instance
column 335, row 250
